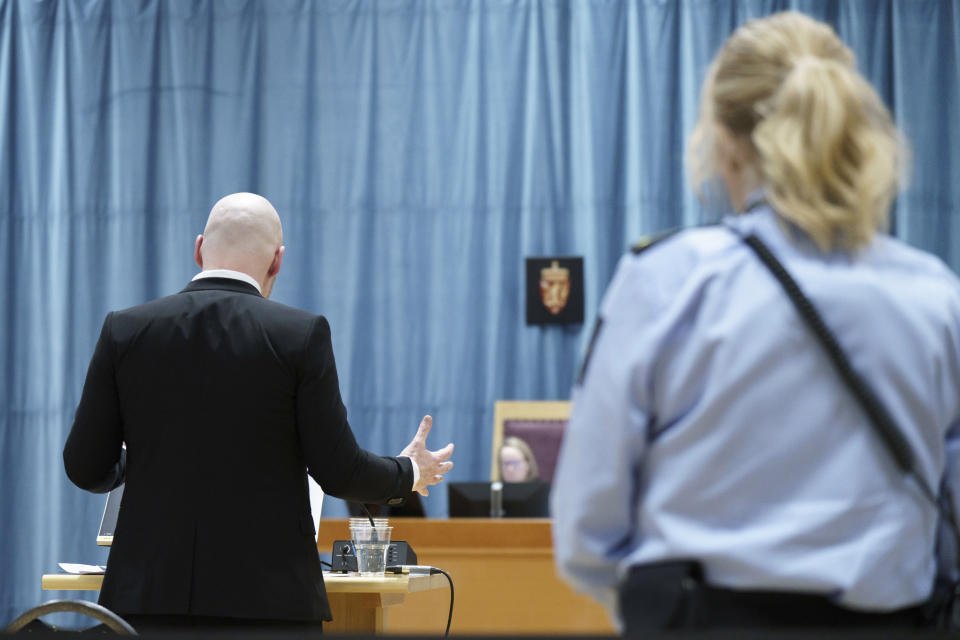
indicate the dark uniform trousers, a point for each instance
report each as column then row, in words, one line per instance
column 673, row 595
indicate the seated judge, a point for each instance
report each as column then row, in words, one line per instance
column 225, row 401
column 517, row 462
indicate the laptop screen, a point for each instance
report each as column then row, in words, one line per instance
column 109, row 521
column 520, row 499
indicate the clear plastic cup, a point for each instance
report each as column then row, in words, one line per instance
column 363, row 520
column 370, row 545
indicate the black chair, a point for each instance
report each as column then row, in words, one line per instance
column 108, row 618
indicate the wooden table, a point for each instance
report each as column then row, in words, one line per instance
column 504, row 576
column 359, row 604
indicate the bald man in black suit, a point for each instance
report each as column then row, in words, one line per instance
column 225, row 401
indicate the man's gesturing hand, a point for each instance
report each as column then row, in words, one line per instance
column 432, row 464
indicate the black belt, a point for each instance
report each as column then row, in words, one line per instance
column 673, row 595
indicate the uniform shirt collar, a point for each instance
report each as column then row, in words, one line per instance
column 754, row 200
column 228, row 273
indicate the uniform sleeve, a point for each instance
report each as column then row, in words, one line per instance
column 334, row 459
column 93, row 455
column 594, row 501
column 948, row 555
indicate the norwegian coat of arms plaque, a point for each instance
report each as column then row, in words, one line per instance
column 555, row 290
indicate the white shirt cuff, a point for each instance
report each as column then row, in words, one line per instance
column 416, row 470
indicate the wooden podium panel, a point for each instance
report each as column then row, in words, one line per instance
column 502, row 571
column 358, row 603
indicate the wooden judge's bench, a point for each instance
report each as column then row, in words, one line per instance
column 503, row 575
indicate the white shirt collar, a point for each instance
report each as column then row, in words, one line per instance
column 228, row 273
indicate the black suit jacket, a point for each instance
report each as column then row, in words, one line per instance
column 225, row 401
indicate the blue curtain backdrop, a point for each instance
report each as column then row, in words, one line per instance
column 416, row 151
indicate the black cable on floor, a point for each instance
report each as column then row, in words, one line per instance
column 450, row 614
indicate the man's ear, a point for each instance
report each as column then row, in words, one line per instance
column 277, row 261
column 197, row 256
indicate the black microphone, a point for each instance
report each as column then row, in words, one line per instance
column 373, row 535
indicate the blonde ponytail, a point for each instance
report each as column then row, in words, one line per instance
column 829, row 154
column 827, row 150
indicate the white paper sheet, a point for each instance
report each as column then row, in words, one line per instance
column 316, row 502
column 72, row 567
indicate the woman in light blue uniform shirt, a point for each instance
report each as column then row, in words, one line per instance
column 715, row 470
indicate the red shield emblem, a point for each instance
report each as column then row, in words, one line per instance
column 554, row 287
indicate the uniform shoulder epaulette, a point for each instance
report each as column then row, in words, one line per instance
column 646, row 242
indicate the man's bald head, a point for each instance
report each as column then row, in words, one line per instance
column 243, row 233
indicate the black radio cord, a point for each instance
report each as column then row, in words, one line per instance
column 876, row 411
